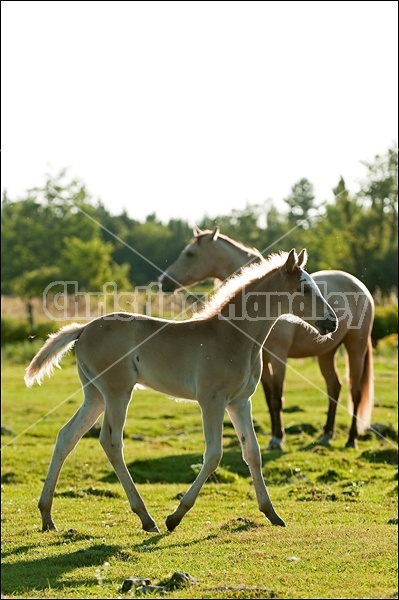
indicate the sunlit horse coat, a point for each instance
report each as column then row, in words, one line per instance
column 213, row 358
column 211, row 254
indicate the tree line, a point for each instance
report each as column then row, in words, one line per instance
column 59, row 233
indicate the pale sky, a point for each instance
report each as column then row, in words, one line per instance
column 194, row 108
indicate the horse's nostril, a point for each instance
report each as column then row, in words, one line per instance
column 167, row 284
column 326, row 326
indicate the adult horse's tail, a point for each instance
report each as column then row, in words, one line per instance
column 367, row 392
column 50, row 354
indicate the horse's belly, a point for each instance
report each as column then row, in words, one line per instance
column 165, row 383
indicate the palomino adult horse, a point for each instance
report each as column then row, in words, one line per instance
column 214, row 358
column 211, row 254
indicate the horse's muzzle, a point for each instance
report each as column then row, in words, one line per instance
column 167, row 284
column 328, row 325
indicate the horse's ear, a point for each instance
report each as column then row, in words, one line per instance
column 302, row 258
column 291, row 262
column 215, row 234
column 196, row 231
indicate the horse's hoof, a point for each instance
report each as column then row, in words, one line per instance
column 275, row 444
column 281, row 523
column 153, row 529
column 276, row 520
column 49, row 526
column 324, row 440
column 170, row 523
column 150, row 526
column 351, row 444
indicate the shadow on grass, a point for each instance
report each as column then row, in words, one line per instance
column 232, row 526
column 385, row 455
column 183, row 468
column 307, row 428
column 51, row 573
column 44, row 573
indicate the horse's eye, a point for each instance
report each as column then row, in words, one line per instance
column 304, row 289
column 190, row 254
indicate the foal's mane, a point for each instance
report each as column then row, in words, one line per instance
column 225, row 238
column 233, row 285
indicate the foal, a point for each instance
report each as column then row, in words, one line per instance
column 214, row 358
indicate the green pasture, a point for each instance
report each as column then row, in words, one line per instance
column 337, row 503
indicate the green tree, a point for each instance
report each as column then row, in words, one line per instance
column 273, row 236
column 378, row 198
column 243, row 225
column 380, row 187
column 358, row 232
column 34, row 234
column 32, row 284
column 146, row 251
column 301, row 204
column 89, row 263
column 149, row 247
column 333, row 242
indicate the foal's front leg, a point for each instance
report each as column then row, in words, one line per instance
column 212, row 420
column 240, row 414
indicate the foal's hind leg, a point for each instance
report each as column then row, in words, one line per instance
column 67, row 438
column 111, row 440
column 240, row 414
column 329, row 372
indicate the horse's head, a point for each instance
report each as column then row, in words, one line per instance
column 304, row 298
column 195, row 263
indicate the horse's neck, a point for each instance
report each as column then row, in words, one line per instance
column 232, row 258
column 253, row 310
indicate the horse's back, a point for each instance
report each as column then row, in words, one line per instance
column 341, row 281
column 347, row 294
column 353, row 304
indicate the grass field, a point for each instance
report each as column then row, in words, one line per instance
column 337, row 502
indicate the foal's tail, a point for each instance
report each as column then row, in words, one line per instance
column 49, row 356
column 367, row 392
